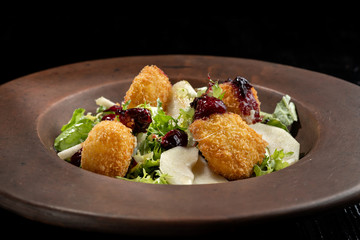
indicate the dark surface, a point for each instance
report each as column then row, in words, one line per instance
column 327, row 44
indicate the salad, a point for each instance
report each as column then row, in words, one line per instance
column 174, row 134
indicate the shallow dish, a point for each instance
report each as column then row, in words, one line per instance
column 36, row 184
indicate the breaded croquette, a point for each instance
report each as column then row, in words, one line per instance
column 229, row 145
column 149, row 85
column 108, row 149
column 241, row 98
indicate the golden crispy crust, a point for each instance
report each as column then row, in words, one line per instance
column 232, row 102
column 108, row 149
column 149, row 85
column 229, row 145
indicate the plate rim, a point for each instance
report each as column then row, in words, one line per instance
column 23, row 207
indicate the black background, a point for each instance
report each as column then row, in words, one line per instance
column 328, row 43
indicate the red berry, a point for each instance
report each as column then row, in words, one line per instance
column 138, row 119
column 174, row 138
column 205, row 106
column 76, row 158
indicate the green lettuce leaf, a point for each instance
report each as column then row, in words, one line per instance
column 77, row 115
column 75, row 131
column 269, row 120
column 284, row 114
column 285, row 111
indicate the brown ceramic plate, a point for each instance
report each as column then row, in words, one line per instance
column 38, row 185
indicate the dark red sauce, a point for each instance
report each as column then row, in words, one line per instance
column 246, row 98
column 205, row 106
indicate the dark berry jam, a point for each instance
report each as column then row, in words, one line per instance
column 205, row 106
column 76, row 158
column 138, row 119
column 174, row 138
column 246, row 98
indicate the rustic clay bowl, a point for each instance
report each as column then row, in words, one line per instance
column 38, row 185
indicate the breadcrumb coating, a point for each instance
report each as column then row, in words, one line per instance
column 229, row 145
column 232, row 101
column 149, row 85
column 108, row 149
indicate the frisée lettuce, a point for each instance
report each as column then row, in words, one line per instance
column 273, row 162
column 146, row 172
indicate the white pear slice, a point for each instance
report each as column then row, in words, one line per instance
column 279, row 139
column 182, row 94
column 67, row 153
column 102, row 101
column 178, row 162
column 204, row 175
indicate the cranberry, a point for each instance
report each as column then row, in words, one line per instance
column 76, row 158
column 138, row 119
column 206, row 105
column 141, row 117
column 126, row 120
column 174, row 138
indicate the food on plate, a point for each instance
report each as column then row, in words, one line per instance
column 206, row 105
column 178, row 163
column 204, row 175
column 229, row 145
column 137, row 119
column 108, row 149
column 279, row 139
column 283, row 116
column 175, row 134
column 148, row 86
column 241, row 97
column 182, row 94
column 75, row 131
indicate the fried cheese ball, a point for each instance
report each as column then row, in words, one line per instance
column 108, row 149
column 241, row 98
column 149, row 85
column 229, row 145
